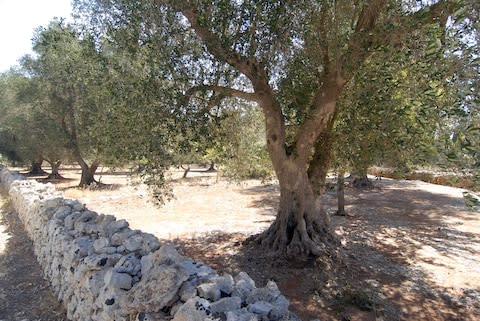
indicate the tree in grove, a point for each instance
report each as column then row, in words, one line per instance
column 69, row 70
column 30, row 134
column 292, row 58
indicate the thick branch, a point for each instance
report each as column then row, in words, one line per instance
column 248, row 66
column 369, row 15
column 323, row 109
column 225, row 91
column 367, row 36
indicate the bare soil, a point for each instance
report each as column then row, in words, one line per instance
column 24, row 294
column 411, row 249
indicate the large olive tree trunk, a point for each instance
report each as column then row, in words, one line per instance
column 302, row 227
column 55, row 165
column 36, row 167
column 88, row 172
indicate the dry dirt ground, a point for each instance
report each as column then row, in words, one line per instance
column 24, row 294
column 411, row 250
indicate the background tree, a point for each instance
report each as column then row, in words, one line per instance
column 240, row 144
column 70, row 72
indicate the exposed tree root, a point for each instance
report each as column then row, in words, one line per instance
column 55, row 176
column 302, row 244
column 362, row 182
column 36, row 172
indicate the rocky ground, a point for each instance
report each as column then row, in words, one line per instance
column 410, row 249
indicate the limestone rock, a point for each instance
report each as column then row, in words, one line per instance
column 151, row 316
column 118, row 280
column 100, row 243
column 133, row 243
column 226, row 304
column 261, row 308
column 209, row 291
column 195, row 309
column 188, row 290
column 114, row 227
column 241, row 315
column 128, row 264
column 157, row 288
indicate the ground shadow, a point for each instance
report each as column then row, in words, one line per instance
column 93, row 187
column 266, row 198
column 384, row 258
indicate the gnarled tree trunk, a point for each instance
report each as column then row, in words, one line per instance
column 301, row 228
column 36, row 167
column 318, row 168
column 55, row 165
column 88, row 173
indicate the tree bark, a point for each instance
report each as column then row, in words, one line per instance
column 341, row 193
column 212, row 167
column 36, row 167
column 185, row 171
column 360, row 178
column 318, row 168
column 301, row 228
column 55, row 170
column 88, row 173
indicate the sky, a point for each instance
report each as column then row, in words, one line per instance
column 19, row 19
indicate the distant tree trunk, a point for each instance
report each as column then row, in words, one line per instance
column 341, row 193
column 212, row 167
column 55, row 168
column 185, row 171
column 88, row 172
column 36, row 167
column 360, row 178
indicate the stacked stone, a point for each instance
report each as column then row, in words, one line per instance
column 103, row 270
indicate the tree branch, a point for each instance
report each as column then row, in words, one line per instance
column 225, row 91
column 368, row 35
column 369, row 14
column 249, row 66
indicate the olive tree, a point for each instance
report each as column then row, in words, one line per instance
column 292, row 58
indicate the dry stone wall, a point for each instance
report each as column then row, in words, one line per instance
column 103, row 270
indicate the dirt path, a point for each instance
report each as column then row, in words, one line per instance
column 24, row 294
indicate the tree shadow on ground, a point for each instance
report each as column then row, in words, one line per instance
column 24, row 294
column 93, row 187
column 398, row 246
column 265, row 197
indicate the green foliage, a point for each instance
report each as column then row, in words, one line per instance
column 240, row 145
column 406, row 108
